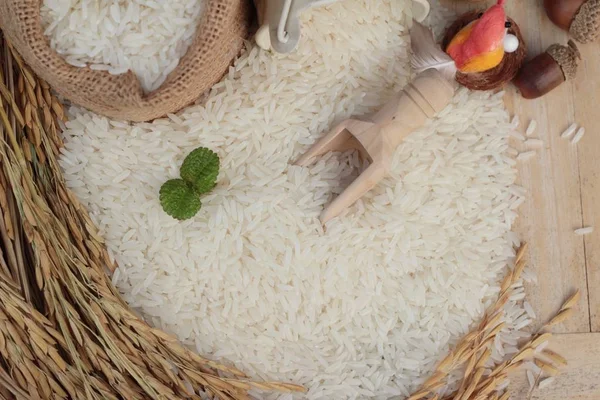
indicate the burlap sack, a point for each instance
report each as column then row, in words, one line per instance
column 219, row 38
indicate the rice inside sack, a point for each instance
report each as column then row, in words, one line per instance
column 218, row 39
column 146, row 36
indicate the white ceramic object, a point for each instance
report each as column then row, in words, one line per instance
column 420, row 10
column 511, row 43
column 262, row 37
column 280, row 24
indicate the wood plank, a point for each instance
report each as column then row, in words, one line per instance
column 553, row 207
column 580, row 380
column 587, row 89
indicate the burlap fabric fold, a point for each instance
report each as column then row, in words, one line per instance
column 219, row 39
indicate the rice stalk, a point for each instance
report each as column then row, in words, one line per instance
column 65, row 332
column 560, row 317
column 536, row 382
column 473, row 352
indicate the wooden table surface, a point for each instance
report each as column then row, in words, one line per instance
column 563, row 183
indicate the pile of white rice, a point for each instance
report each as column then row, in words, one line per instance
column 147, row 37
column 360, row 309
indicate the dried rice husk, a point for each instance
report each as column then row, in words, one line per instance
column 473, row 352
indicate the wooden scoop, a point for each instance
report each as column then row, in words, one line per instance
column 377, row 138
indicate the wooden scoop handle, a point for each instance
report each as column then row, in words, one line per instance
column 424, row 97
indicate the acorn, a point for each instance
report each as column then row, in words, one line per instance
column 581, row 18
column 548, row 70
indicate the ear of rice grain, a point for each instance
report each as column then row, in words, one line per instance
column 569, row 131
column 578, row 135
column 557, row 359
column 560, row 317
column 572, row 300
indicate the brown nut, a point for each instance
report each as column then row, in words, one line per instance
column 548, row 70
column 539, row 76
column 581, row 18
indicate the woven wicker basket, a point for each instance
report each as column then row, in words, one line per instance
column 219, row 39
column 65, row 333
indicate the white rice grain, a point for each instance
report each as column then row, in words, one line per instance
column 503, row 386
column 578, row 135
column 531, row 128
column 569, row 131
column 517, row 135
column 534, row 143
column 524, row 156
column 515, row 122
column 533, row 368
column 542, row 346
column 529, row 310
column 546, row 382
column 584, row 231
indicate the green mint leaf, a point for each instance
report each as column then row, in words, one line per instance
column 179, row 199
column 201, row 168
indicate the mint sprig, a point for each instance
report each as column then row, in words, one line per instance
column 201, row 168
column 180, row 198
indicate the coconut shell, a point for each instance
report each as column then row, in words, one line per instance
column 495, row 77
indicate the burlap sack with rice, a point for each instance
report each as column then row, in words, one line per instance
column 219, row 39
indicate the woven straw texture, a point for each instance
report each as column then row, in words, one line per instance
column 219, row 39
column 495, row 77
